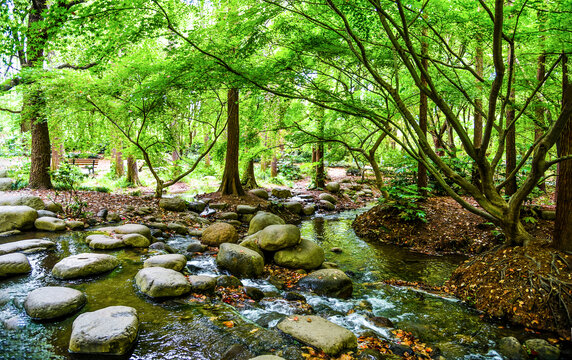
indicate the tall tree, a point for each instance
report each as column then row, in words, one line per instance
column 230, row 184
column 422, row 180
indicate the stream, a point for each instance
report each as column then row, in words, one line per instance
column 186, row 330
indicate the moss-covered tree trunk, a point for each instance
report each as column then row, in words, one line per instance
column 248, row 178
column 132, row 171
column 230, row 184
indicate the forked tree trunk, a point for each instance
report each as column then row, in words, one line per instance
column 230, row 184
column 248, row 178
column 562, row 238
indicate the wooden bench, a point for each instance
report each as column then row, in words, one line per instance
column 89, row 164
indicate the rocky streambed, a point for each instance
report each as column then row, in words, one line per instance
column 185, row 306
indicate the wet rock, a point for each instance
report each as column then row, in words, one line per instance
column 235, row 352
column 10, row 233
column 267, row 357
column 329, row 265
column 333, row 187
column 136, row 240
column 160, row 282
column 306, row 255
column 228, row 216
column 326, row 205
column 75, row 225
column 328, row 282
column 327, row 197
column 46, row 213
column 543, row 349
column 240, row 261
column 234, row 223
column 196, row 246
column 294, row 296
column 293, row 206
column 196, row 206
column 277, row 237
column 129, row 229
column 50, row 224
column 102, row 214
column 14, row 264
column 381, row 321
column 178, row 228
column 54, row 207
column 320, row 333
column 372, row 354
column 27, row 246
column 175, row 262
column 511, row 348
column 22, row 200
column 401, row 350
column 253, row 293
column 196, row 232
column 17, row 218
column 6, row 184
column 114, row 217
column 263, row 219
column 281, row 193
column 251, row 242
column 228, row 281
column 202, row 284
column 111, row 330
column 52, row 302
column 158, row 225
column 309, row 209
column 218, row 206
column 246, row 209
column 173, row 204
column 86, row 264
column 103, row 242
column 219, row 233
column 365, row 305
column 336, row 250
column 261, row 193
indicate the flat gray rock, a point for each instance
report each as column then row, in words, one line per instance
column 52, row 302
column 261, row 193
column 14, row 264
column 247, row 209
column 160, row 282
column 104, row 242
column 202, row 284
column 129, row 229
column 75, row 225
column 136, row 240
column 82, row 265
column 320, row 333
column 175, row 262
column 50, row 224
column 17, row 218
column 23, row 200
column 26, row 246
column 111, row 331
column 328, row 282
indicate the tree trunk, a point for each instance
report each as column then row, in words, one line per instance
column 539, row 109
column 230, row 184
column 207, row 156
column 562, row 238
column 511, row 186
column 422, row 180
column 320, row 172
column 132, row 171
column 478, row 118
column 274, row 167
column 248, row 178
column 119, row 170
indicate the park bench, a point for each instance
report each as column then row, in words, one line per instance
column 89, row 164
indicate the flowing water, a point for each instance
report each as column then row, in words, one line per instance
column 186, row 330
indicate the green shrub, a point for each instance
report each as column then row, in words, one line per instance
column 403, row 199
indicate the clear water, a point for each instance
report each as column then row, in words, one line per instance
column 184, row 330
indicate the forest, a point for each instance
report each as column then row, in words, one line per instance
column 282, row 179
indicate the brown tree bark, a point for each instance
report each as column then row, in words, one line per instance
column 132, row 171
column 478, row 117
column 510, row 159
column 422, row 179
column 248, row 178
column 320, row 179
column 208, row 155
column 230, row 184
column 274, row 166
column 562, row 238
column 539, row 109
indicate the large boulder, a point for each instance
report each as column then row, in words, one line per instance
column 261, row 193
column 277, row 237
column 333, row 187
column 17, row 218
column 26, row 246
column 293, row 206
column 175, row 262
column 6, row 183
column 129, row 229
column 240, row 261
column 263, row 219
column 52, row 302
column 328, row 282
column 202, row 284
column 251, row 242
column 136, row 240
column 14, row 264
column 111, row 331
column 219, row 233
column 23, row 200
column 281, row 193
column 543, row 349
column 82, row 265
column 320, row 333
column 306, row 255
column 173, row 204
column 511, row 348
column 327, row 197
column 50, row 224
column 160, row 282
